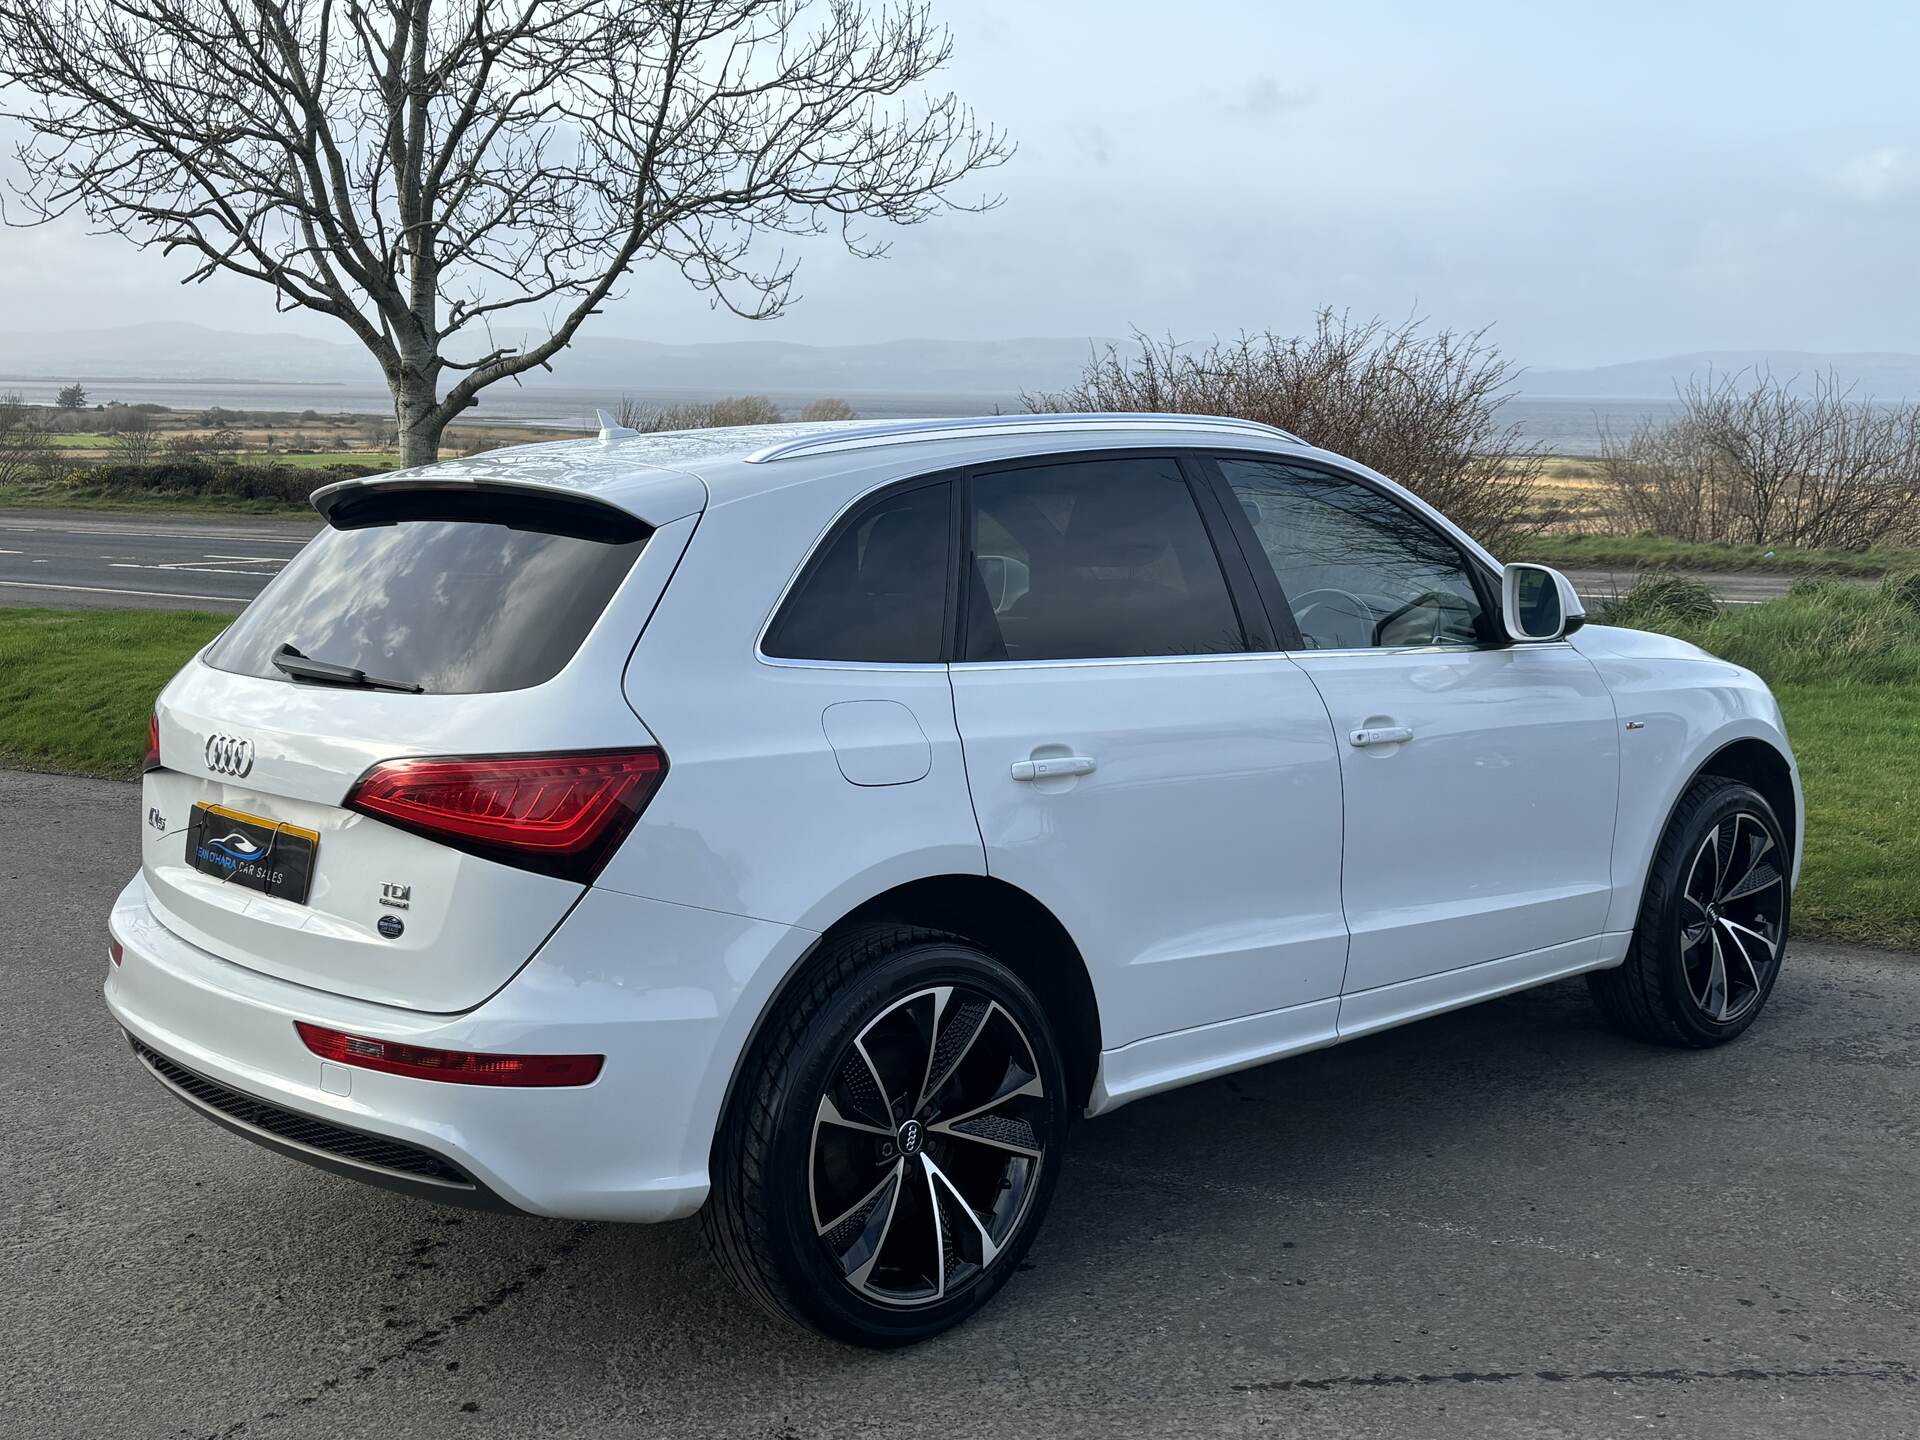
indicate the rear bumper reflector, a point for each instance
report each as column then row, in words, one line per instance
column 457, row 1067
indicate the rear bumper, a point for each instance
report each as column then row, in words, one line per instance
column 663, row 991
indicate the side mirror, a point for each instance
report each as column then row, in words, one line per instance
column 1539, row 603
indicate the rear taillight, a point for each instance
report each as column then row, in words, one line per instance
column 116, row 952
column 151, row 760
column 562, row 815
column 458, row 1067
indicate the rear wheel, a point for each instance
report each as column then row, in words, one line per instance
column 1712, row 931
column 894, row 1144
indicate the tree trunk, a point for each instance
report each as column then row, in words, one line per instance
column 416, row 416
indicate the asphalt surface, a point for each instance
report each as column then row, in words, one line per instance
column 71, row 558
column 1501, row 1223
column 77, row 557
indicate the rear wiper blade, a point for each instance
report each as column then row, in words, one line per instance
column 290, row 661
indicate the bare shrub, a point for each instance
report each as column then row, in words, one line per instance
column 829, row 409
column 1421, row 406
column 23, row 443
column 1751, row 461
column 136, row 440
column 651, row 419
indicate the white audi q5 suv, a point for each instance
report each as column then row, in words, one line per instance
column 801, row 825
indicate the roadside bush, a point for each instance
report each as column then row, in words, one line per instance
column 829, row 409
column 1659, row 600
column 170, row 479
column 1751, row 460
column 1422, row 407
column 1903, row 590
column 651, row 419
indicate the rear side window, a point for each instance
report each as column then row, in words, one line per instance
column 1094, row 558
column 458, row 595
column 877, row 591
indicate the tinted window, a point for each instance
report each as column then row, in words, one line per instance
column 878, row 591
column 1358, row 569
column 1094, row 558
column 456, row 606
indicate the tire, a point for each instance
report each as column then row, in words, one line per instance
column 1712, row 931
column 826, row 1208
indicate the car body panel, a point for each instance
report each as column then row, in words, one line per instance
column 1490, row 831
column 1198, row 866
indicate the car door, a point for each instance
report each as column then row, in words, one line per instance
column 1171, row 797
column 1480, row 776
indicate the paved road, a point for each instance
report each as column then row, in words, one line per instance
column 1502, row 1223
column 76, row 557
column 1741, row 589
column 68, row 557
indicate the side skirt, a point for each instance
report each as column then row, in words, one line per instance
column 1183, row 1057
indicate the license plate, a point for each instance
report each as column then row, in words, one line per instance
column 245, row 850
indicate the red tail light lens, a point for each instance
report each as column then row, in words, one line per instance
column 116, row 952
column 457, row 1067
column 151, row 760
column 562, row 815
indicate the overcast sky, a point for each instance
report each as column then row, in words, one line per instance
column 1599, row 182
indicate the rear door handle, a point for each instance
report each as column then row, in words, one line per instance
column 1052, row 766
column 1380, row 735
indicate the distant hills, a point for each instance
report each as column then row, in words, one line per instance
column 1872, row 376
column 181, row 352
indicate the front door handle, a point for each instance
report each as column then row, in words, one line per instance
column 1053, row 766
column 1380, row 735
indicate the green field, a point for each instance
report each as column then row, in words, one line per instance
column 1651, row 552
column 76, row 686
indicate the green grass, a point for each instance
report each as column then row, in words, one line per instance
column 1651, row 552
column 76, row 686
column 1844, row 662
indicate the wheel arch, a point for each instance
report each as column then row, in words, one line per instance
column 997, row 916
column 1756, row 762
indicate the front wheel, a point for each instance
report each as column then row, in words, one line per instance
column 895, row 1140
column 1712, row 931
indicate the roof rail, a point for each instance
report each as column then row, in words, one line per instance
column 865, row 436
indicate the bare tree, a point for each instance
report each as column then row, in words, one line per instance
column 1754, row 460
column 463, row 185
column 1420, row 406
column 23, row 443
column 136, row 439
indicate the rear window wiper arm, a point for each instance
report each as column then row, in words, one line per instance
column 290, row 661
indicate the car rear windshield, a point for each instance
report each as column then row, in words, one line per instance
column 457, row 594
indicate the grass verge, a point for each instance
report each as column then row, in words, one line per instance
column 1652, row 552
column 37, row 497
column 76, row 685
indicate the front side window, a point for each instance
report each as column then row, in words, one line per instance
column 1358, row 569
column 877, row 591
column 1095, row 558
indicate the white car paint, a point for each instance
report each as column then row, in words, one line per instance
column 1240, row 881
